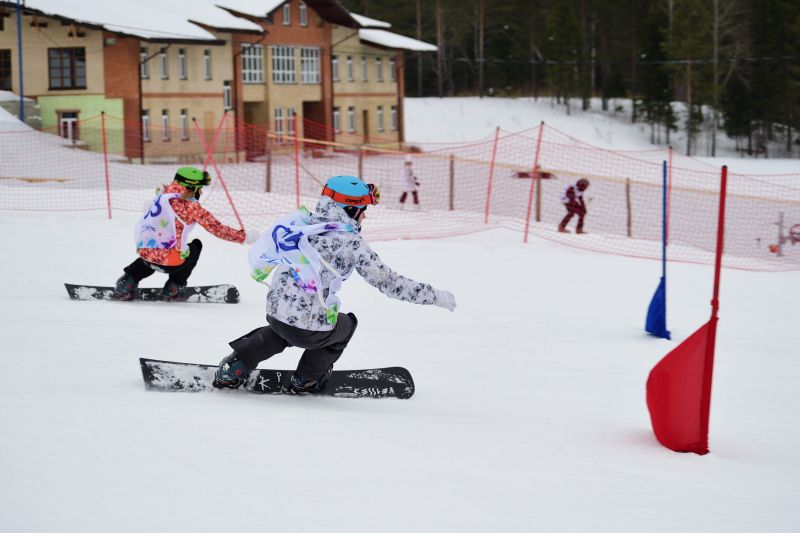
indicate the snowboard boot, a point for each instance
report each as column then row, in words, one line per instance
column 172, row 291
column 125, row 288
column 580, row 232
column 300, row 385
column 562, row 229
column 232, row 372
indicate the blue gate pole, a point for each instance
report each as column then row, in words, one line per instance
column 19, row 47
column 664, row 228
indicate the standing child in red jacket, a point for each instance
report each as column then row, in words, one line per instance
column 162, row 236
column 573, row 202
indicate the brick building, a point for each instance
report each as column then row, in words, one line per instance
column 157, row 65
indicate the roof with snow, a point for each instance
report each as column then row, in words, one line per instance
column 330, row 10
column 177, row 20
column 147, row 19
column 9, row 122
column 388, row 39
column 366, row 22
column 8, row 96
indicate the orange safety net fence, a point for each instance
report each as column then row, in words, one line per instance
column 107, row 165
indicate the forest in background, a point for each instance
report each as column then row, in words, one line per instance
column 699, row 65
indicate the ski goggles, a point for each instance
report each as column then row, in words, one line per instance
column 194, row 181
column 206, row 180
column 371, row 198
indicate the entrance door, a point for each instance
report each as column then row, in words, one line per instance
column 68, row 125
column 365, row 118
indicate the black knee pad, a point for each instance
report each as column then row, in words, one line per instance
column 355, row 320
column 355, row 325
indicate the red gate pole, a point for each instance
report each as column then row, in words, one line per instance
column 534, row 178
column 712, row 326
column 296, row 160
column 210, row 149
column 491, row 175
column 105, row 161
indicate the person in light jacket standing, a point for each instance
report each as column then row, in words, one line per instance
column 408, row 183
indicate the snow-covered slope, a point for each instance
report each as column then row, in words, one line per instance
column 430, row 120
column 529, row 413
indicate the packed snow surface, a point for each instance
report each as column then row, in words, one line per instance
column 529, row 413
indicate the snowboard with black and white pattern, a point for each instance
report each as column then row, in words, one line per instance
column 392, row 382
column 218, row 294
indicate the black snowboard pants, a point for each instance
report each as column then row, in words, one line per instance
column 179, row 274
column 322, row 348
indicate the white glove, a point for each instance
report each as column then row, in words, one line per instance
column 250, row 236
column 445, row 299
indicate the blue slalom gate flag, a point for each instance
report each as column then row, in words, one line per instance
column 656, row 322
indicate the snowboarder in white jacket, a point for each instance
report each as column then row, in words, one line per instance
column 312, row 254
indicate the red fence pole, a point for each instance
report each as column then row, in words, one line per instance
column 296, row 160
column 105, row 161
column 209, row 149
column 712, row 325
column 534, row 178
column 491, row 175
column 213, row 140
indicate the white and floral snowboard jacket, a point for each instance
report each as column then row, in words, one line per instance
column 345, row 252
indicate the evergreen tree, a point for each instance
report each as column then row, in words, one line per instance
column 655, row 99
column 740, row 58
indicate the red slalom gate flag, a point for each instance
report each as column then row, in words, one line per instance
column 678, row 393
column 679, row 386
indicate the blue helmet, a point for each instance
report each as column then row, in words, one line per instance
column 350, row 191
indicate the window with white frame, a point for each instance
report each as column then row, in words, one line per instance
column 379, row 117
column 184, row 124
column 394, row 118
column 290, row 117
column 363, row 68
column 351, row 119
column 143, row 67
column 392, row 69
column 283, row 64
column 287, row 14
column 379, row 69
column 164, row 64
column 337, row 119
column 278, row 122
column 303, row 14
column 350, row 68
column 335, row 68
column 182, row 62
column 165, row 124
column 309, row 65
column 207, row 63
column 252, row 63
column 227, row 100
column 146, row 125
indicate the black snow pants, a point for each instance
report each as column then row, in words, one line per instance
column 178, row 274
column 322, row 348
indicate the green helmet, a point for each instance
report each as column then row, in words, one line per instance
column 192, row 178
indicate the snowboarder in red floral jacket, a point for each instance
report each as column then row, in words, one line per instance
column 162, row 236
